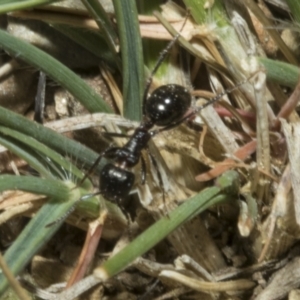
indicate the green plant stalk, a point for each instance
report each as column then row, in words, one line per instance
column 50, row 138
column 295, row 9
column 45, row 152
column 77, row 151
column 51, row 188
column 48, row 187
column 18, row 5
column 27, row 154
column 37, row 233
column 89, row 207
column 280, row 72
column 227, row 188
column 132, row 58
column 55, row 70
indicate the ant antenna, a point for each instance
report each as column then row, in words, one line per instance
column 208, row 103
column 225, row 92
column 161, row 58
column 221, row 94
column 218, row 97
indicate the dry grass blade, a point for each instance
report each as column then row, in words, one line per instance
column 282, row 201
column 93, row 236
column 292, row 135
column 20, row 292
column 283, row 281
column 209, row 287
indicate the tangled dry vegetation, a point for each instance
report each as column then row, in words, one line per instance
column 243, row 248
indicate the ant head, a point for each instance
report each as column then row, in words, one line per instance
column 115, row 182
column 167, row 104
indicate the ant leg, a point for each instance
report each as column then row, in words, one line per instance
column 125, row 212
column 143, row 170
column 39, row 103
column 161, row 58
column 109, row 153
column 160, row 181
column 115, row 134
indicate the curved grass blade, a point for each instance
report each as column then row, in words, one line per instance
column 27, row 154
column 48, row 187
column 44, row 151
column 50, row 138
column 55, row 70
column 36, row 233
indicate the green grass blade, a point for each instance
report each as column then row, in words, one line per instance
column 48, row 187
column 50, row 138
column 11, row 5
column 27, row 154
column 55, row 70
column 45, row 152
column 295, row 9
column 280, row 72
column 132, row 58
column 227, row 187
column 36, row 233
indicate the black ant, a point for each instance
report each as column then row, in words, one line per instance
column 167, row 108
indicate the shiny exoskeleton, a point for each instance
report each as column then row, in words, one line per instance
column 165, row 107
